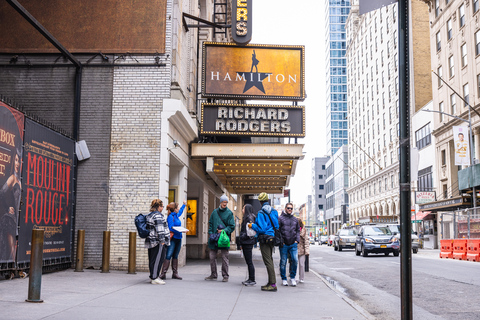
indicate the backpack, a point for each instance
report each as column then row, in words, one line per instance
column 141, row 224
column 277, row 238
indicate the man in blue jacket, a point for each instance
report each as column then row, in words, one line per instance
column 290, row 230
column 264, row 228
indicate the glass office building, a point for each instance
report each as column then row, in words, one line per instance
column 336, row 12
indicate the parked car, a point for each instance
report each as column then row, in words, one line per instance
column 376, row 239
column 330, row 240
column 345, row 239
column 323, row 240
column 395, row 228
column 312, row 240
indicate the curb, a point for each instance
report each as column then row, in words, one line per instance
column 352, row 303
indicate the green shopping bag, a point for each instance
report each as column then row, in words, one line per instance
column 223, row 240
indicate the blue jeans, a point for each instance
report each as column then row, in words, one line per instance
column 174, row 248
column 284, row 251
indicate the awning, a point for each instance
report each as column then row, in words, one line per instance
column 421, row 215
column 451, row 204
column 249, row 168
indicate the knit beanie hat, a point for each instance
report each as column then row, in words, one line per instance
column 263, row 197
column 223, row 198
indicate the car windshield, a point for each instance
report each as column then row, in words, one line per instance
column 394, row 228
column 348, row 232
column 376, row 231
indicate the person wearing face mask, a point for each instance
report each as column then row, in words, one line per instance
column 290, row 230
column 220, row 219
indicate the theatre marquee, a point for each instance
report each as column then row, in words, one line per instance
column 253, row 120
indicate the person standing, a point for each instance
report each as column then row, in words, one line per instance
column 247, row 243
column 173, row 249
column 220, row 219
column 303, row 251
column 266, row 219
column 290, row 230
column 158, row 237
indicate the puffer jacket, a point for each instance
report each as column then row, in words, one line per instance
column 289, row 228
column 304, row 244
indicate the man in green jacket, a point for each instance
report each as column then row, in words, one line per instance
column 220, row 219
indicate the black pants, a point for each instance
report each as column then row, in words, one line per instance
column 156, row 256
column 247, row 254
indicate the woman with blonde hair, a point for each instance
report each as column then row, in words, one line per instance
column 158, row 237
column 303, row 251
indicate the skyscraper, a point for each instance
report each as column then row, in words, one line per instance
column 336, row 12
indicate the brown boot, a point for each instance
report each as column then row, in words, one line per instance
column 165, row 266
column 175, row 270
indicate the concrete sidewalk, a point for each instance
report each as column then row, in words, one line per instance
column 118, row 295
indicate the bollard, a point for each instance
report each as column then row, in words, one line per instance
column 36, row 262
column 80, row 249
column 106, row 252
column 132, row 252
column 307, row 267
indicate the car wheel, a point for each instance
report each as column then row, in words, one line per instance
column 339, row 248
column 335, row 247
column 364, row 252
column 415, row 250
column 357, row 253
column 396, row 253
column 387, row 253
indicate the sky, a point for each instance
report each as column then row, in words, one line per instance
column 300, row 22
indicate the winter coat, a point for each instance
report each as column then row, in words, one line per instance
column 289, row 228
column 227, row 216
column 249, row 217
column 262, row 223
column 304, row 244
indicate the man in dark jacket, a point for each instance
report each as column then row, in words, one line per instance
column 290, row 230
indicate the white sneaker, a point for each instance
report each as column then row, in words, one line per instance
column 293, row 283
column 302, row 281
column 284, row 282
column 157, row 281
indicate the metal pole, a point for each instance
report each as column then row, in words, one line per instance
column 132, row 252
column 36, row 261
column 404, row 167
column 80, row 250
column 106, row 252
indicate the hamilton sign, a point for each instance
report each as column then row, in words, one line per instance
column 253, row 120
column 253, row 71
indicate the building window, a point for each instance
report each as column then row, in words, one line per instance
column 320, row 207
column 461, row 12
column 321, row 187
column 451, row 66
column 439, row 41
column 449, row 29
column 320, row 176
column 476, row 6
column 463, row 50
column 323, row 167
column 423, row 136
column 320, row 196
column 453, row 103
column 477, row 43
column 441, row 109
column 478, row 85
column 465, row 94
column 444, row 158
column 425, row 179
column 440, row 76
column 437, row 8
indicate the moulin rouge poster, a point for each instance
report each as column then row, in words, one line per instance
column 47, row 191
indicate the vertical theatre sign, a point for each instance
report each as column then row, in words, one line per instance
column 47, row 195
column 242, row 21
column 11, row 141
column 253, row 71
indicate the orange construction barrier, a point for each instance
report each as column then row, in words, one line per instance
column 473, row 250
column 446, row 249
column 460, row 249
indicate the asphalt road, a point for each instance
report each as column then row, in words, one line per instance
column 442, row 289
